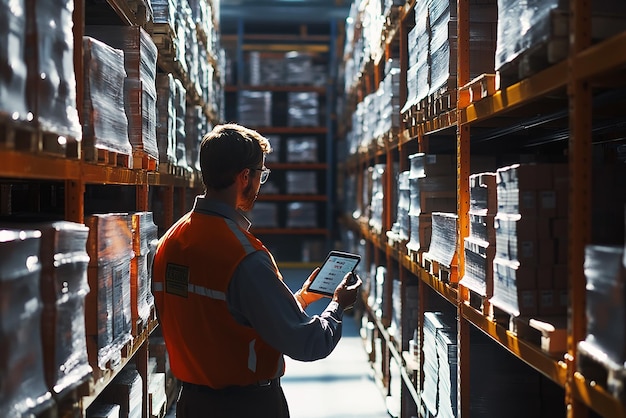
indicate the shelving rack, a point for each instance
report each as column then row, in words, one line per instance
column 317, row 39
column 565, row 89
column 72, row 175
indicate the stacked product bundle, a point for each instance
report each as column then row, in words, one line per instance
column 479, row 246
column 140, row 56
column 22, row 383
column 302, row 215
column 530, row 239
column 442, row 22
column 389, row 98
column 164, row 12
column 64, row 288
column 205, row 75
column 442, row 247
column 51, row 67
column 108, row 304
column 404, row 312
column 303, row 109
column 302, row 149
column 377, row 196
column 432, row 183
column 265, row 215
column 145, row 239
column 433, row 323
column 401, row 227
column 418, row 72
column 301, row 182
column 104, row 126
column 605, row 271
column 166, row 118
column 197, row 126
column 255, row 108
column 298, row 68
column 180, row 105
column 13, row 103
column 542, row 28
column 191, row 50
column 448, row 362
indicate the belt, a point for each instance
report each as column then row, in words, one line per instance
column 260, row 385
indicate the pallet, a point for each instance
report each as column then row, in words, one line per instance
column 479, row 88
column 547, row 333
column 107, row 157
column 143, row 160
column 446, row 274
column 26, row 136
column 597, row 367
column 480, row 303
column 174, row 170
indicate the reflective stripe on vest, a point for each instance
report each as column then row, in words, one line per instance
column 198, row 290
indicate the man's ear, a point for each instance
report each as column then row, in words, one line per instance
column 244, row 176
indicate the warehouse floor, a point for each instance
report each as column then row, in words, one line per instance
column 339, row 386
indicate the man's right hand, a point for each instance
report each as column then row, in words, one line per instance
column 346, row 293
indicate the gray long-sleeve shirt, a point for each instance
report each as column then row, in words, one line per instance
column 257, row 298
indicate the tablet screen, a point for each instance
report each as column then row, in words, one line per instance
column 332, row 272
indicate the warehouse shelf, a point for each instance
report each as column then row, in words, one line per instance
column 291, row 130
column 293, row 197
column 559, row 106
column 294, row 88
column 290, row 231
column 297, row 166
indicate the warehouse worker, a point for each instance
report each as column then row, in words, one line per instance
column 226, row 316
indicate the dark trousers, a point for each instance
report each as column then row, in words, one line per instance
column 252, row 401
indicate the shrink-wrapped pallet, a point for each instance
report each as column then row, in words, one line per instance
column 265, row 215
column 166, row 118
column 303, row 109
column 64, row 288
column 13, row 101
column 377, row 198
column 302, row 149
column 145, row 237
column 197, row 126
column 443, row 245
column 103, row 410
column 51, row 67
column 301, row 182
column 164, row 12
column 22, row 383
column 180, row 104
column 104, row 126
column 605, row 272
column 108, row 305
column 255, row 108
column 298, row 68
column 302, row 215
column 401, row 227
column 140, row 56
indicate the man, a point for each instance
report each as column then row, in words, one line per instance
column 226, row 316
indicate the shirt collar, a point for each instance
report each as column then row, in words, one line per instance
column 210, row 206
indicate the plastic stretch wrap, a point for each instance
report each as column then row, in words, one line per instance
column 166, row 118
column 303, row 109
column 432, row 323
column 523, row 26
column 443, row 241
column 205, row 75
column 378, row 194
column 448, row 363
column 302, row 149
column 255, row 108
column 302, row 215
column 13, row 101
column 196, row 126
column 125, row 390
column 418, row 73
column 606, row 301
column 401, row 228
column 191, row 50
column 479, row 257
column 180, row 104
column 64, row 287
column 104, row 125
column 164, row 11
column 201, row 14
column 180, row 44
column 51, row 67
column 302, row 182
column 264, row 215
column 140, row 57
column 144, row 245
column 514, row 287
column 110, row 251
column 22, row 382
column 298, row 68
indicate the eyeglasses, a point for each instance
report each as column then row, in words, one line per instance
column 265, row 173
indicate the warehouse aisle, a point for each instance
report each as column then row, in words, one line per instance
column 339, row 386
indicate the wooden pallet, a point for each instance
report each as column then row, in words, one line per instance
column 174, row 170
column 447, row 274
column 26, row 136
column 143, row 160
column 107, row 157
column 480, row 303
column 479, row 88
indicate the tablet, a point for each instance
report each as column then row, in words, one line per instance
column 332, row 272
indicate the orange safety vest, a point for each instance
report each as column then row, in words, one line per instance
column 193, row 265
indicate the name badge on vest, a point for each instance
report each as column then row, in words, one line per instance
column 176, row 279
